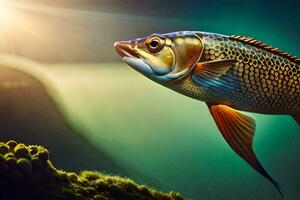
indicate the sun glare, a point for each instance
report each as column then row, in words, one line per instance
column 7, row 13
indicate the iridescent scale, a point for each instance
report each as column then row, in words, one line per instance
column 264, row 79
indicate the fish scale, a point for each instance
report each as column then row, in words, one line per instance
column 267, row 81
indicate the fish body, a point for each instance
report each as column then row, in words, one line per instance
column 229, row 73
column 261, row 81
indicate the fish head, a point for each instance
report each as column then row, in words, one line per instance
column 162, row 57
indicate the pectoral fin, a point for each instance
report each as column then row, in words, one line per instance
column 213, row 69
column 238, row 130
column 207, row 74
column 297, row 118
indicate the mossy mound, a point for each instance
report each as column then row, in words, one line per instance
column 26, row 173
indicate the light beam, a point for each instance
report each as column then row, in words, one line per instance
column 7, row 13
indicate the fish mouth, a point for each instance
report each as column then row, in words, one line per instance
column 132, row 58
column 124, row 49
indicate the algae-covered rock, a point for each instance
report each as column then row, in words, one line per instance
column 27, row 173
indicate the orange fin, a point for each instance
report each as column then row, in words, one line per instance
column 297, row 118
column 238, row 130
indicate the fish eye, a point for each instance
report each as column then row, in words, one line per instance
column 154, row 44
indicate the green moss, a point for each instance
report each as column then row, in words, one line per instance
column 27, row 173
column 12, row 144
column 24, row 165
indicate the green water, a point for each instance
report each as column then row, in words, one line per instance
column 172, row 138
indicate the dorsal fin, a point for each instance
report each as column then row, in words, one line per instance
column 257, row 43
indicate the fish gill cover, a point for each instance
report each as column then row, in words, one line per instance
column 27, row 173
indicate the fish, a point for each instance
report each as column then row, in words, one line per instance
column 229, row 73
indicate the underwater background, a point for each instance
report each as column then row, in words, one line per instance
column 95, row 113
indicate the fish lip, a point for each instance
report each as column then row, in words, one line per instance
column 139, row 65
column 124, row 49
